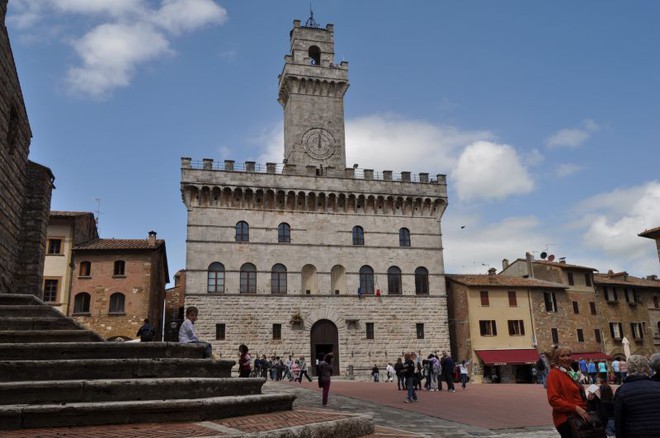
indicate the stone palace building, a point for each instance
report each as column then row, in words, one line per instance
column 310, row 256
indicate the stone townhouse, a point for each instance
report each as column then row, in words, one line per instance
column 570, row 317
column 492, row 324
column 629, row 307
column 117, row 283
column 66, row 229
column 25, row 186
column 311, row 256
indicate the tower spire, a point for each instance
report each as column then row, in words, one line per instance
column 310, row 21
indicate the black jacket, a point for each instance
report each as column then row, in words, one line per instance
column 637, row 408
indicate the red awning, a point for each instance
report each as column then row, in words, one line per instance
column 508, row 357
column 587, row 356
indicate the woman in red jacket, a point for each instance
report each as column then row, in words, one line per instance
column 565, row 394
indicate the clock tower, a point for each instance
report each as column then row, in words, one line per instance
column 311, row 91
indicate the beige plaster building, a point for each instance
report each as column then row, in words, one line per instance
column 66, row 229
column 630, row 309
column 310, row 256
column 492, row 324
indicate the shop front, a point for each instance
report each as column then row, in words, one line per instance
column 506, row 366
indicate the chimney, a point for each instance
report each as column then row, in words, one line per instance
column 529, row 258
column 562, row 260
column 492, row 271
column 652, row 277
column 505, row 264
column 152, row 238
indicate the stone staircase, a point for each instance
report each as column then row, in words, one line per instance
column 53, row 372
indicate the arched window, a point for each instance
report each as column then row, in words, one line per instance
column 394, row 280
column 248, row 279
column 358, row 235
column 216, row 278
column 242, row 232
column 404, row 237
column 81, row 303
column 278, row 279
column 284, row 233
column 117, row 301
column 366, row 280
column 85, row 269
column 120, row 268
column 315, row 55
column 421, row 281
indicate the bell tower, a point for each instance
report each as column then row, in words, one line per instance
column 311, row 91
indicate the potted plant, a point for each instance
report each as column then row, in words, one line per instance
column 296, row 319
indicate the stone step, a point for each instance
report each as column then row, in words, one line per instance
column 25, row 310
column 27, row 336
column 150, row 411
column 38, row 323
column 90, row 369
column 100, row 350
column 76, row 391
column 19, row 299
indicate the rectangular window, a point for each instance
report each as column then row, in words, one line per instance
column 587, row 279
column 555, row 336
column 636, row 329
column 54, row 246
column 550, row 301
column 370, row 330
column 597, row 335
column 277, row 332
column 484, row 298
column 631, row 296
column 516, row 327
column 513, row 299
column 580, row 335
column 610, row 294
column 219, row 332
column 576, row 307
column 488, row 328
column 50, row 290
column 571, row 282
column 420, row 330
column 616, row 330
column 592, row 306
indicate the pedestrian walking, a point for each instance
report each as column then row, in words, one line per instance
column 244, row 361
column 409, row 374
column 400, row 378
column 463, row 369
column 325, row 376
column 303, row 369
column 375, row 373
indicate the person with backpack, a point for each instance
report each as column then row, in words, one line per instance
column 434, row 371
column 147, row 333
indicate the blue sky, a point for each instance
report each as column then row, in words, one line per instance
column 543, row 115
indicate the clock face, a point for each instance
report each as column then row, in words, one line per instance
column 318, row 143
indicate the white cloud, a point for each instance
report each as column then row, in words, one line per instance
column 613, row 220
column 572, row 137
column 391, row 142
column 110, row 54
column 487, row 170
column 122, row 35
column 565, row 169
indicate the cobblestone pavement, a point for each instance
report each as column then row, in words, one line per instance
column 354, row 397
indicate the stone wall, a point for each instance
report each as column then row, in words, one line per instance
column 250, row 319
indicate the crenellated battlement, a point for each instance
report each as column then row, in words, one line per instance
column 291, row 169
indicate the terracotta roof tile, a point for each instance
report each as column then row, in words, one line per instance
column 111, row 244
column 502, row 281
column 623, row 279
column 653, row 233
column 69, row 213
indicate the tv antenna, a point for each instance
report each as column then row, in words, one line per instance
column 98, row 210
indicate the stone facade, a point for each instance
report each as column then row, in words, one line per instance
column 138, row 288
column 25, row 187
column 567, row 317
column 66, row 229
column 355, row 253
column 633, row 304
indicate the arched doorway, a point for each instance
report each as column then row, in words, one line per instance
column 325, row 339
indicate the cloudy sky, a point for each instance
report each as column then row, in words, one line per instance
column 543, row 115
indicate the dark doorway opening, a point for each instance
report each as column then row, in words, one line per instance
column 325, row 339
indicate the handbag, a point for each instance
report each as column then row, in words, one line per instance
column 586, row 429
